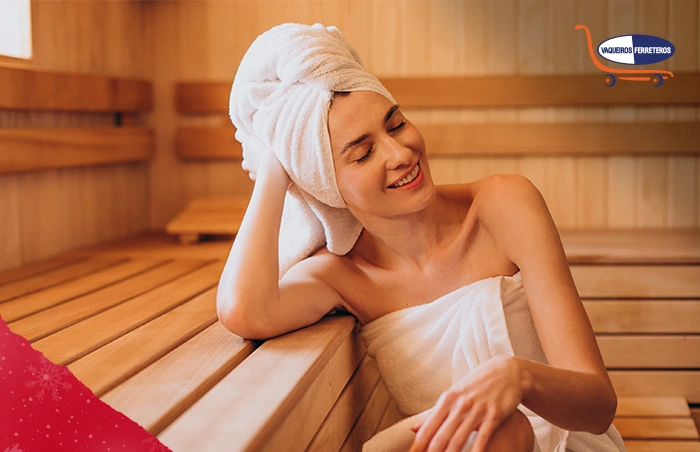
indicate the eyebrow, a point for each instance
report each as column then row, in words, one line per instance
column 359, row 140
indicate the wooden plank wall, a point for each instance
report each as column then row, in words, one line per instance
column 403, row 38
column 46, row 212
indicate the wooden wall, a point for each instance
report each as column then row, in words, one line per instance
column 441, row 38
column 46, row 212
column 50, row 211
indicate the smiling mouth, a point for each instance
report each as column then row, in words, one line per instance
column 406, row 179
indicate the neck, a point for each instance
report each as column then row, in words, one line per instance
column 408, row 240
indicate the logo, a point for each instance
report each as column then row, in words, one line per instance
column 631, row 49
column 636, row 49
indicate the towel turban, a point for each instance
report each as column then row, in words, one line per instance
column 279, row 103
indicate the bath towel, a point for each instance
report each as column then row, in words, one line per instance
column 279, row 103
column 422, row 350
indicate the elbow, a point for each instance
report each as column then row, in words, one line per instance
column 607, row 411
column 234, row 318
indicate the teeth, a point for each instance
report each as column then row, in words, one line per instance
column 408, row 178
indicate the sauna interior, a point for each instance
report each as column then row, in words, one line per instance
column 121, row 189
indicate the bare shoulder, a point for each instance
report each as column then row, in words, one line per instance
column 514, row 212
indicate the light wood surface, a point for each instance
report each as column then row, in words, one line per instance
column 37, row 89
column 35, row 268
column 218, row 216
column 82, row 338
column 488, row 42
column 644, row 316
column 652, row 407
column 657, row 383
column 198, row 143
column 142, row 346
column 51, row 320
column 23, row 306
column 337, row 425
column 86, row 55
column 156, row 396
column 660, row 351
column 497, row 140
column 635, row 281
column 657, row 428
column 37, row 149
column 480, row 91
column 662, row 446
column 369, row 420
column 252, row 416
column 53, row 277
column 178, row 372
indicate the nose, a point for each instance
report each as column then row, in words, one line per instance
column 397, row 155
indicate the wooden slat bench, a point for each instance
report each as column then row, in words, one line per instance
column 145, row 309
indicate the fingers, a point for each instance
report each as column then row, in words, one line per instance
column 421, row 419
column 486, row 431
column 452, row 438
column 430, row 425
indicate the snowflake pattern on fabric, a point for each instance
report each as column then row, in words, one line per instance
column 45, row 408
column 49, row 378
column 15, row 448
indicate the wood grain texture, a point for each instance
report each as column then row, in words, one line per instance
column 655, row 428
column 485, row 43
column 651, row 281
column 54, row 277
column 369, row 419
column 485, row 91
column 644, row 316
column 103, row 53
column 37, row 89
column 290, row 364
column 23, row 306
column 51, row 320
column 657, row 383
column 662, row 446
column 193, row 143
column 82, row 338
column 660, row 352
column 142, row 346
column 652, row 407
column 38, row 149
column 157, row 395
column 467, row 140
column 336, row 427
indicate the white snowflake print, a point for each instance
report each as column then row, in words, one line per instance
column 154, row 444
column 15, row 448
column 48, row 378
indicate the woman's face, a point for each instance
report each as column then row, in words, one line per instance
column 380, row 162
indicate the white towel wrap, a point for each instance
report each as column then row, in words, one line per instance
column 422, row 350
column 280, row 101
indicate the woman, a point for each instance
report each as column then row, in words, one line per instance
column 419, row 242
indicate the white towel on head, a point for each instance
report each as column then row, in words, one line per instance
column 279, row 102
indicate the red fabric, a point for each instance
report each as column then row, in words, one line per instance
column 43, row 407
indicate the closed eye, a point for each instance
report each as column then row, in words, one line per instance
column 371, row 149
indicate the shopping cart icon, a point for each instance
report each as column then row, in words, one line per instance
column 637, row 75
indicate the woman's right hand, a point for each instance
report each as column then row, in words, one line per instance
column 262, row 162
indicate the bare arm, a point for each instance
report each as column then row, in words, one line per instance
column 574, row 391
column 251, row 299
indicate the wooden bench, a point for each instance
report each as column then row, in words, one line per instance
column 145, row 309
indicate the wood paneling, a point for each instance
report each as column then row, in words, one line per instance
column 492, row 42
column 462, row 140
column 491, row 91
column 46, row 212
column 24, row 150
column 36, row 89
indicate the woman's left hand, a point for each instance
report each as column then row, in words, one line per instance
column 481, row 401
